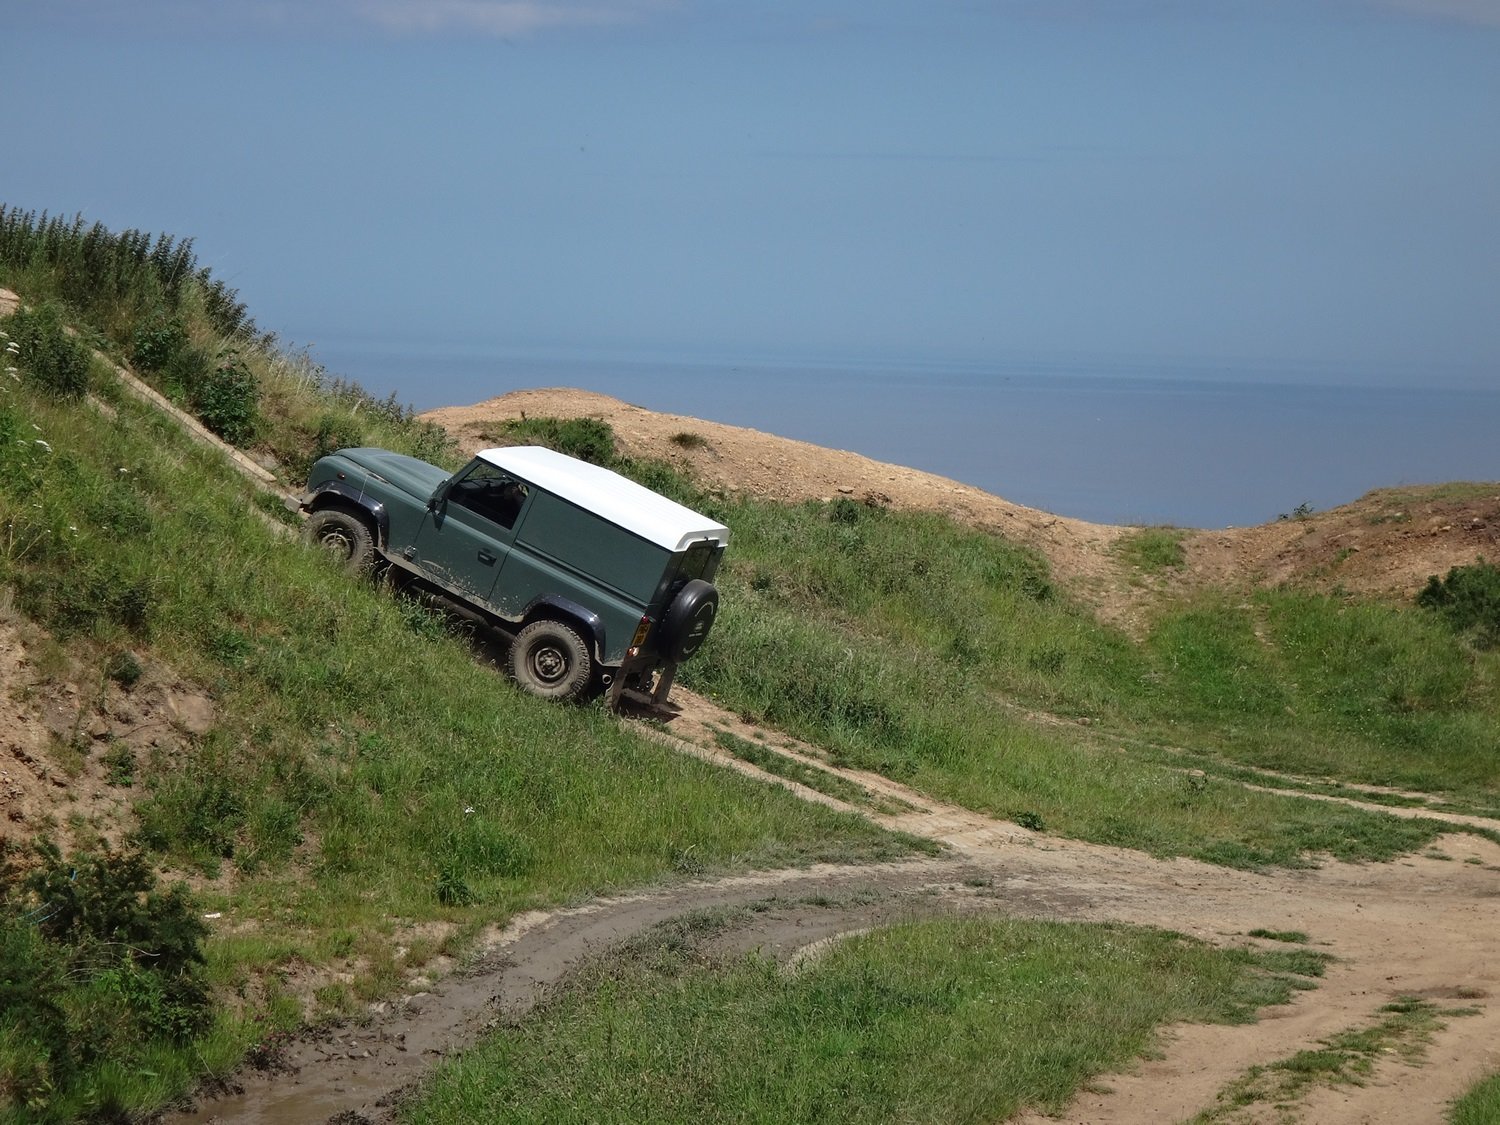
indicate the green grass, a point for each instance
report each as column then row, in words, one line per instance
column 1152, row 550
column 802, row 773
column 896, row 641
column 947, row 1021
column 1480, row 1105
column 369, row 785
column 1296, row 936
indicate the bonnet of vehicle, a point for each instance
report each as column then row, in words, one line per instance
column 410, row 475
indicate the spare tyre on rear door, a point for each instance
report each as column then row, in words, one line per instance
column 688, row 619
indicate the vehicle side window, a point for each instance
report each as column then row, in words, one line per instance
column 489, row 492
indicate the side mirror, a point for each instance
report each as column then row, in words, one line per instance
column 439, row 496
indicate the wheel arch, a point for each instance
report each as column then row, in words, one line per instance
column 554, row 607
column 336, row 494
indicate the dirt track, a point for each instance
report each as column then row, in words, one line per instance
column 1422, row 926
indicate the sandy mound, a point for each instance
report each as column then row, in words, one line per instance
column 735, row 459
column 1386, row 543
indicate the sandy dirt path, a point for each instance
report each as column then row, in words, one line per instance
column 1422, row 926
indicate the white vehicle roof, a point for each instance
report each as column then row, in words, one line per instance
column 606, row 493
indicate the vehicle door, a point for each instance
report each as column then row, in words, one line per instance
column 464, row 541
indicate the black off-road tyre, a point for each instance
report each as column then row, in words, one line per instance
column 347, row 539
column 550, row 660
column 688, row 619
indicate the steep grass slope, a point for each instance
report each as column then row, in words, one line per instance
column 355, row 791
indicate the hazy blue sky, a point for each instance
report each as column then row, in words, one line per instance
column 1302, row 184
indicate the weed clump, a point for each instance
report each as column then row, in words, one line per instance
column 52, row 360
column 1468, row 599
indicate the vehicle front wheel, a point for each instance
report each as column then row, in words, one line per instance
column 345, row 537
column 549, row 659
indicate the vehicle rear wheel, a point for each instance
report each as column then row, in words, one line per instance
column 345, row 537
column 550, row 660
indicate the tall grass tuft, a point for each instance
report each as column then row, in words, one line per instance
column 113, row 279
column 48, row 357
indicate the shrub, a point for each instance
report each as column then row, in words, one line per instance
column 336, row 432
column 588, row 439
column 427, row 441
column 53, row 361
column 227, row 400
column 158, row 342
column 97, row 965
column 1468, row 600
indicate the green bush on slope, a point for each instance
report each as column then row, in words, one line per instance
column 100, row 971
column 1468, row 599
column 44, row 354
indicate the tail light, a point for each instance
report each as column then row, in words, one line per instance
column 642, row 631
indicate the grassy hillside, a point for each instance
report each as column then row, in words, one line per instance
column 365, row 782
column 364, row 791
column 905, row 644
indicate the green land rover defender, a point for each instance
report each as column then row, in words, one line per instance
column 601, row 584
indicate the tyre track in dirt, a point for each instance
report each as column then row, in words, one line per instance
column 1421, row 926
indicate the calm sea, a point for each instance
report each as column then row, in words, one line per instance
column 1219, row 449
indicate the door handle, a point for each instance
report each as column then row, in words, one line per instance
column 486, row 558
